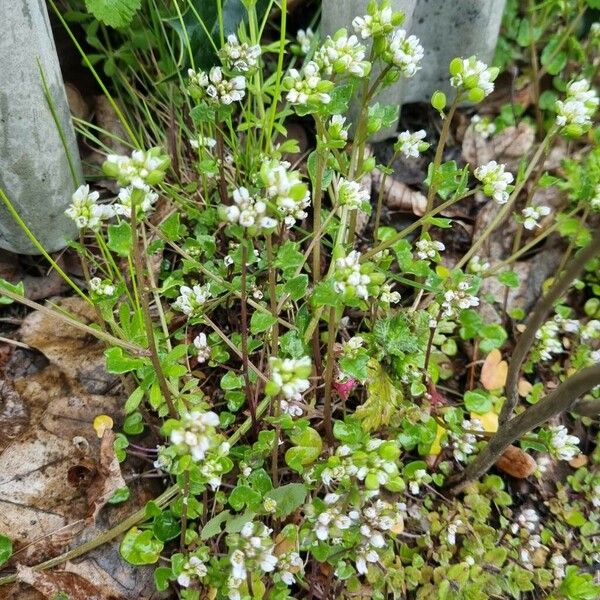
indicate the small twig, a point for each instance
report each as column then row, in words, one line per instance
column 244, row 333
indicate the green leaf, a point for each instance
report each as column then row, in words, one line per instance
column 579, row 586
column 166, row 526
column 356, row 366
column 554, row 61
column 261, row 321
column 288, row 497
column 401, row 334
column 118, row 362
column 171, row 227
column 307, row 448
column 120, row 495
column 140, row 547
column 492, row 336
column 325, row 294
column 134, row 400
column 471, row 322
column 119, row 238
column 509, row 279
column 311, row 165
column 213, row 527
column 296, row 287
column 291, row 344
column 162, row 577
column 289, row 258
column 231, row 381
column 5, row 549
column 115, row 13
column 478, row 401
column 244, row 495
column 17, row 288
column 382, row 399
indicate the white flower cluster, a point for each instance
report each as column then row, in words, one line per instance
column 532, row 214
column 290, row 378
column 215, row 465
column 352, row 346
column 334, row 519
column 548, row 340
column 203, row 141
column 388, row 296
column 289, row 565
column 458, row 299
column 203, row 347
column 476, row 265
column 192, row 299
column 562, row 445
column 193, row 568
column 196, row 434
column 307, row 86
column 419, row 478
column 526, row 525
column 411, row 144
column 473, row 76
column 286, row 189
column 558, row 563
column 590, row 331
column 579, row 106
column 465, row 443
column 377, row 465
column 496, row 181
column 239, row 56
column 85, row 210
column 215, row 87
column 343, row 54
column 101, row 288
column 378, row 22
column 144, row 197
column 353, row 195
column 141, row 169
column 405, row 52
column 353, row 279
column 428, row 249
column 453, row 528
column 305, row 38
column 247, row 211
column 484, row 126
column 253, row 550
column 337, row 130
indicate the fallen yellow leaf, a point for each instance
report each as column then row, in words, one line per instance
column 524, row 388
column 436, row 446
column 101, row 424
column 488, row 420
column 494, row 371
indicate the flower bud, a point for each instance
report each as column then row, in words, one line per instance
column 456, row 66
column 476, row 94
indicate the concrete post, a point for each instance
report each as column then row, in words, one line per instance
column 34, row 170
column 446, row 29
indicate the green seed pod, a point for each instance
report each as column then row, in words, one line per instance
column 389, row 451
column 371, row 481
column 573, row 131
column 438, row 100
column 592, row 307
column 476, row 95
column 456, row 66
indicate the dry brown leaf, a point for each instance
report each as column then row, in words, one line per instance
column 524, row 387
column 398, row 196
column 107, row 119
column 77, row 105
column 49, row 584
column 494, row 371
column 579, row 461
column 516, row 463
column 108, row 477
column 509, row 146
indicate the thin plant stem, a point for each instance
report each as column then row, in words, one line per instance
column 146, row 316
column 327, row 403
column 244, row 333
column 184, row 509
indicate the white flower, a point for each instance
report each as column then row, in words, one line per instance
column 532, row 214
column 353, row 195
column 470, row 73
column 216, row 88
column 420, row 476
column 305, row 39
column 253, row 549
column 563, row 445
column 289, row 377
column 143, row 168
column 290, row 565
column 579, row 106
column 428, row 249
column 192, row 568
column 349, row 276
column 365, row 555
column 464, row 444
column 247, row 211
column 196, row 434
column 495, row 181
column 240, row 56
column 379, row 23
column 476, row 265
column 549, row 341
column 203, row 141
column 203, row 347
column 405, row 52
column 145, row 199
column 307, row 86
column 484, row 126
column 595, row 201
column 411, row 144
column 85, row 210
column 102, row 288
column 286, row 189
column 343, row 54
column 337, row 128
column 191, row 299
column 388, row 296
